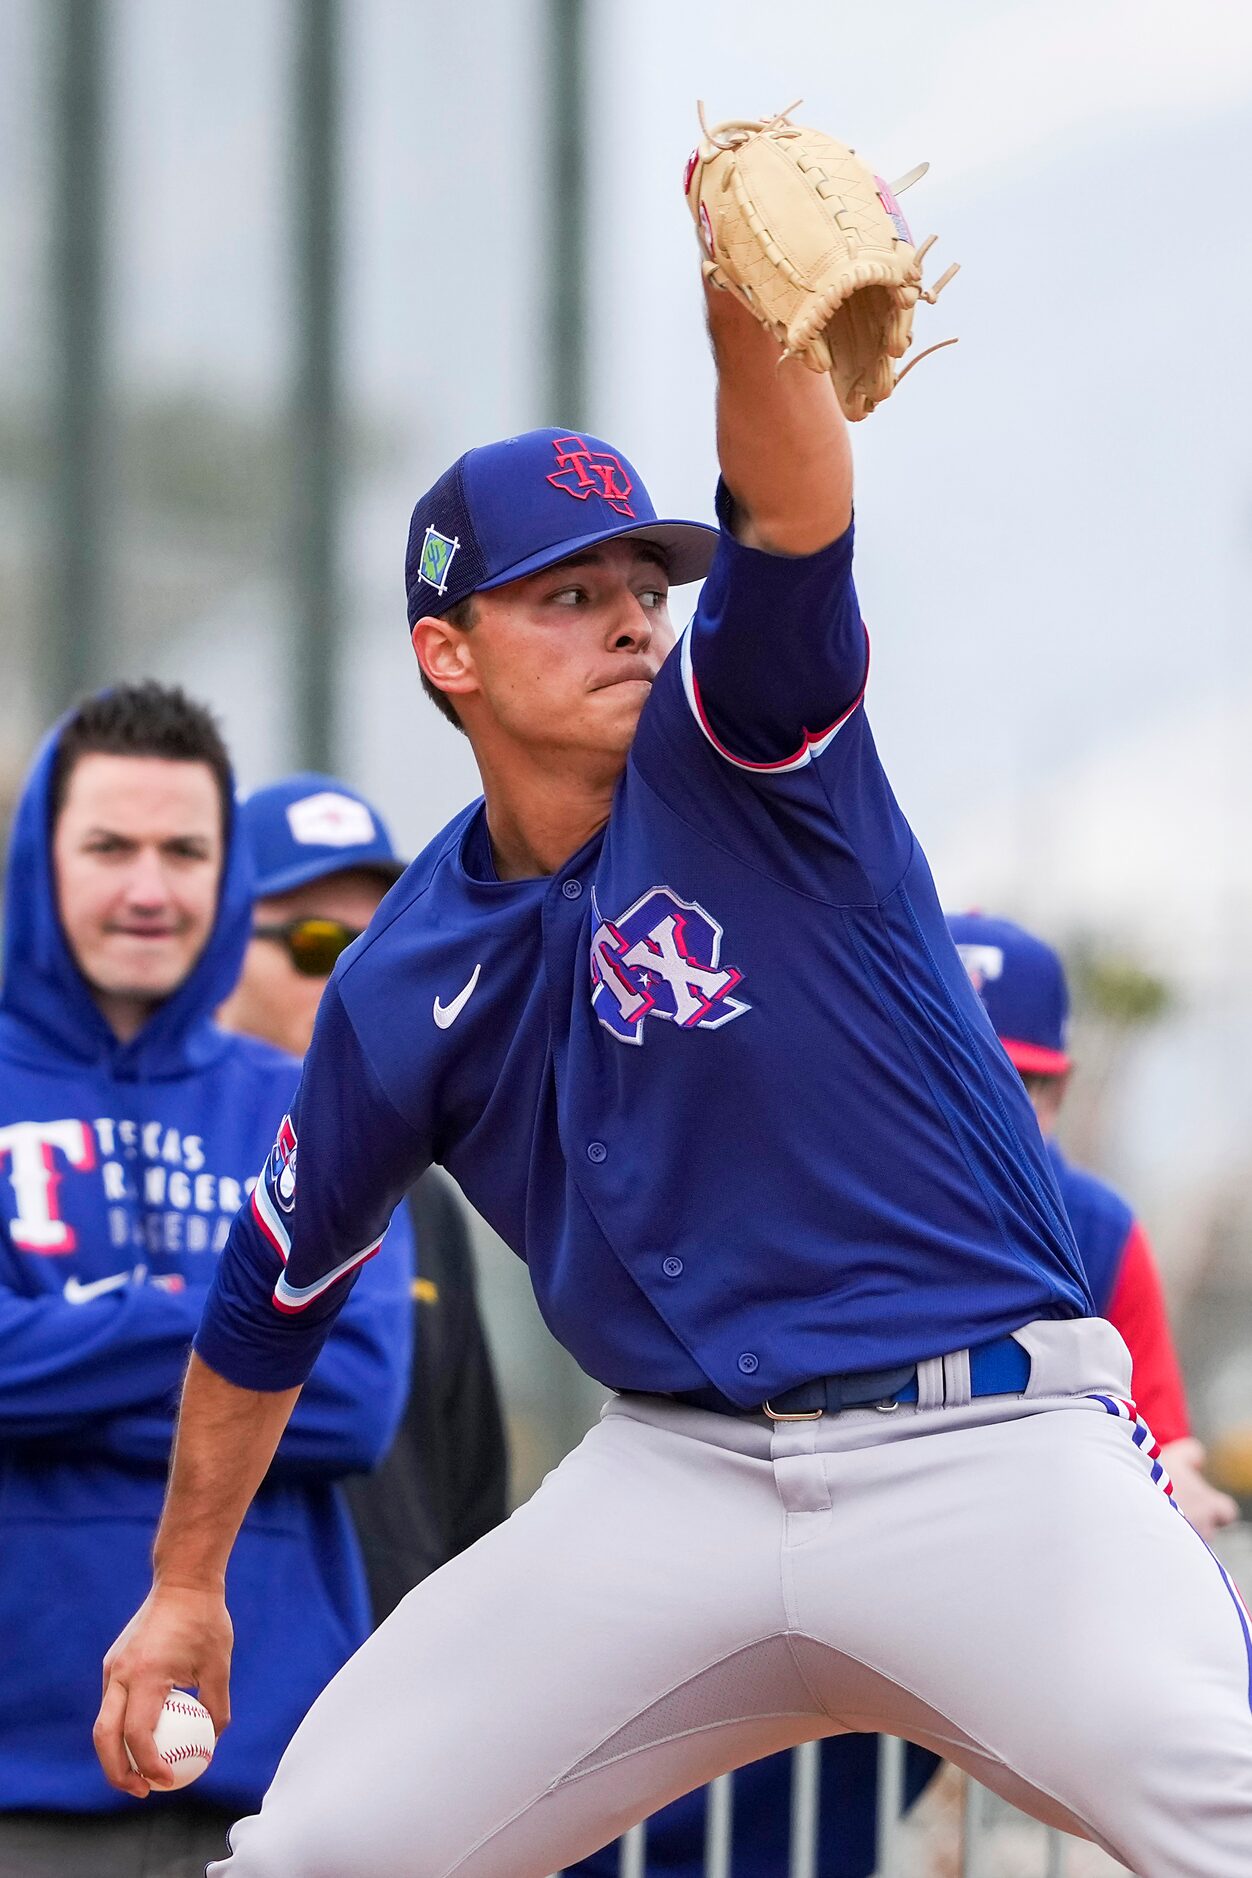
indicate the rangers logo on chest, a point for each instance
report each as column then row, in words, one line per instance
column 661, row 958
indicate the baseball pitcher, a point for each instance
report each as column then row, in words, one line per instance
column 676, row 1004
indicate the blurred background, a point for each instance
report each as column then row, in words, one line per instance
column 266, row 267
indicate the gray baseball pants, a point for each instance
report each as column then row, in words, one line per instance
column 1002, row 1580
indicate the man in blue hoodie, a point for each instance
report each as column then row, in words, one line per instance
column 131, row 1127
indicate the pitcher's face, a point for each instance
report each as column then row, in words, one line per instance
column 563, row 659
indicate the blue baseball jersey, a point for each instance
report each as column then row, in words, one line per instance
column 722, row 1080
column 1103, row 1224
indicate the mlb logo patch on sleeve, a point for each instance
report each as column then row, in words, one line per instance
column 274, row 1196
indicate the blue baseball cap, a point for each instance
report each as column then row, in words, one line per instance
column 308, row 826
column 1021, row 981
column 511, row 508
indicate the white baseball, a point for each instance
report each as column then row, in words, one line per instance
column 184, row 1738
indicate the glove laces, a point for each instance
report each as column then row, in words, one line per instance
column 737, row 130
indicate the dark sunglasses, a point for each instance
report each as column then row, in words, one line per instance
column 311, row 944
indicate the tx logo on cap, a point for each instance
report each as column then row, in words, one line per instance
column 582, row 472
column 330, row 820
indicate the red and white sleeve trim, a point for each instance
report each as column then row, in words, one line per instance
column 292, row 1298
column 815, row 742
column 269, row 1219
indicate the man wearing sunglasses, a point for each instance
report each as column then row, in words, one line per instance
column 322, row 859
column 321, row 862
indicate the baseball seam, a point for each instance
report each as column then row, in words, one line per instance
column 188, row 1751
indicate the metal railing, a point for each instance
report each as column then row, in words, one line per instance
column 804, row 1859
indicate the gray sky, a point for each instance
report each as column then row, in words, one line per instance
column 1054, row 517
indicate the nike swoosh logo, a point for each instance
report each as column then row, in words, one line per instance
column 76, row 1292
column 446, row 1014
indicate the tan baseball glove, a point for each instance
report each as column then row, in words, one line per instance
column 814, row 243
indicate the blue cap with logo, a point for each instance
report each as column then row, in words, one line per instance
column 308, row 826
column 509, row 509
column 1021, row 981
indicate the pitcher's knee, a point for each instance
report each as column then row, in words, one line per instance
column 264, row 1846
column 350, row 1839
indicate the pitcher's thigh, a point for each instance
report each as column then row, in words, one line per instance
column 636, row 1570
column 1060, row 1612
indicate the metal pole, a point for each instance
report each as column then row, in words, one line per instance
column 890, row 1805
column 632, row 1853
column 971, row 1838
column 564, row 388
column 718, row 1821
column 566, row 316
column 806, row 1774
column 316, row 480
column 79, row 592
column 1056, row 1854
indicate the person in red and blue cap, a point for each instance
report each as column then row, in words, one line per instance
column 1021, row 982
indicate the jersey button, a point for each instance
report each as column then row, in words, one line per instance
column 673, row 1268
column 749, row 1363
column 572, row 889
column 597, row 1152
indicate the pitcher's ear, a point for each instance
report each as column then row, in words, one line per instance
column 445, row 656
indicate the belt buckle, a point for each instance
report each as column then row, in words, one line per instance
column 801, row 1415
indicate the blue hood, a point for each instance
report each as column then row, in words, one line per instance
column 46, row 1007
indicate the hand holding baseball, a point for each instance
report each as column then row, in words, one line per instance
column 179, row 1638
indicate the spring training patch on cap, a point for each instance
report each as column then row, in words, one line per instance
column 436, row 559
